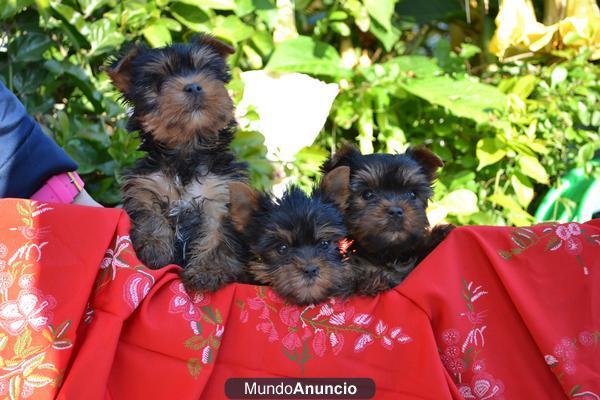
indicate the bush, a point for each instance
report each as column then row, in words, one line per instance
column 408, row 73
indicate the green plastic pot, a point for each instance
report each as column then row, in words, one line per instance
column 578, row 187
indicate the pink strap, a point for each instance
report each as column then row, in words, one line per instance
column 61, row 188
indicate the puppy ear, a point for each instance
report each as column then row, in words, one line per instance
column 428, row 159
column 222, row 48
column 341, row 157
column 336, row 185
column 244, row 201
column 120, row 70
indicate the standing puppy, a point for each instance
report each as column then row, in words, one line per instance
column 177, row 195
column 384, row 199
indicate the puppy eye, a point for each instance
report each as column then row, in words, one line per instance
column 324, row 244
column 282, row 249
column 368, row 194
column 412, row 195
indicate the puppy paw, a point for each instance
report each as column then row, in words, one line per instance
column 196, row 278
column 154, row 254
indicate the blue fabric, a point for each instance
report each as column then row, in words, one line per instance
column 28, row 157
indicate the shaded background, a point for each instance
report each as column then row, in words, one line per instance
column 380, row 73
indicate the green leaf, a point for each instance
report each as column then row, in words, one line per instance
column 304, row 54
column 89, row 6
column 9, row 8
column 531, row 167
column 216, row 4
column 157, row 35
column 77, row 39
column 523, row 188
column 233, row 29
column 29, row 47
column 516, row 213
column 460, row 202
column 524, row 86
column 429, row 10
column 103, row 37
column 468, row 50
column 381, row 11
column 191, row 16
column 489, row 152
column 387, row 37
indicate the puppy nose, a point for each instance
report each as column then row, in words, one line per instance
column 193, row 88
column 396, row 211
column 311, row 270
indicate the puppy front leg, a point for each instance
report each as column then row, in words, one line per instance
column 212, row 264
column 152, row 236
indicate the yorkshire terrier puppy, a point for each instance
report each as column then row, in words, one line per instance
column 294, row 243
column 177, row 195
column 384, row 199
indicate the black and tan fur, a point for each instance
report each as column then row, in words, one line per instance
column 384, row 199
column 294, row 243
column 177, row 195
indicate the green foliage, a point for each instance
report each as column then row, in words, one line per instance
column 409, row 73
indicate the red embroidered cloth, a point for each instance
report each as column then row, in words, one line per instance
column 493, row 313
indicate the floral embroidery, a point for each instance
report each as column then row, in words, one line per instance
column 461, row 356
column 30, row 309
column 112, row 258
column 569, row 236
column 194, row 310
column 24, row 310
column 563, row 356
column 136, row 288
column 317, row 329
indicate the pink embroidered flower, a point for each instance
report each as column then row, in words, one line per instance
column 451, row 336
column 586, row 338
column 31, row 308
column 182, row 303
column 319, row 343
column 3, row 250
column 136, row 288
column 6, row 280
column 452, row 351
column 291, row 341
column 290, row 316
column 478, row 366
column 455, row 365
column 574, row 246
column 2, row 264
column 474, row 318
column 562, row 232
column 569, row 367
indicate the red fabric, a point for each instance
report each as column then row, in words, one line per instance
column 493, row 313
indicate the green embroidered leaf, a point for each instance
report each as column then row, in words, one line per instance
column 194, row 367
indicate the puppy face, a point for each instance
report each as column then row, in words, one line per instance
column 385, row 204
column 178, row 91
column 297, row 248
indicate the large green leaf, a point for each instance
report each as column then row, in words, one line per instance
column 489, row 151
column 157, row 35
column 77, row 39
column 531, row 167
column 9, row 8
column 191, row 16
column 233, row 29
column 304, row 54
column 381, row 11
column 29, row 47
column 103, row 36
column 464, row 96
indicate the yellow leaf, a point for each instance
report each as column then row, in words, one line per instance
column 14, row 390
column 38, row 381
column 30, row 365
